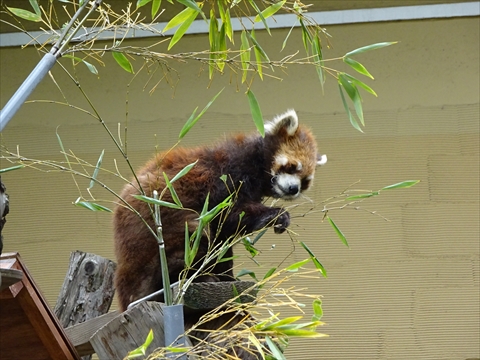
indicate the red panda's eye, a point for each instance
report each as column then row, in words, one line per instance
column 288, row 169
column 305, row 183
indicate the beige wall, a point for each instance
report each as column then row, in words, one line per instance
column 407, row 288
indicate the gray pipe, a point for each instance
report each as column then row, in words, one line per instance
column 24, row 91
column 174, row 328
column 43, row 67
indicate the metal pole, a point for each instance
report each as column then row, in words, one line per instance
column 42, row 68
column 174, row 328
column 24, row 91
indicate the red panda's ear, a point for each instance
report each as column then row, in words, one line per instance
column 287, row 121
column 321, row 159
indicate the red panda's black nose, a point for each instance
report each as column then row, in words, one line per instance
column 292, row 189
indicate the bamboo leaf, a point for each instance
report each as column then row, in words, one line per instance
column 369, row 47
column 191, row 4
column 141, row 3
column 213, row 39
column 36, row 8
column 361, row 196
column 186, row 256
column 361, row 84
column 401, row 185
column 250, row 248
column 317, row 310
column 306, row 37
column 259, row 53
column 256, row 112
column 193, row 120
column 97, row 169
column 11, row 168
column 63, row 149
column 177, row 349
column 297, row 265
column 287, row 37
column 223, row 251
column 253, row 339
column 90, row 67
column 279, row 323
column 91, row 206
column 274, row 349
column 183, row 172
column 269, row 11
column 244, row 54
column 338, row 231
column 225, row 16
column 317, row 49
column 357, row 66
column 180, row 18
column 316, row 262
column 269, row 273
column 302, row 333
column 141, row 350
column 25, row 14
column 175, row 197
column 252, row 3
column 263, row 54
column 151, row 200
column 353, row 121
column 196, row 244
column 123, row 61
column 192, row 14
column 206, row 217
column 354, row 95
column 258, row 236
column 222, row 48
column 155, row 7
column 244, row 272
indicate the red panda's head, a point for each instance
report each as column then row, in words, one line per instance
column 295, row 158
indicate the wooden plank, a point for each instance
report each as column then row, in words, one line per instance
column 81, row 333
column 129, row 330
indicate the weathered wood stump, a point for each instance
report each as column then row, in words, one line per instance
column 87, row 291
column 4, row 208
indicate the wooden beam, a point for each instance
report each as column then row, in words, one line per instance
column 81, row 333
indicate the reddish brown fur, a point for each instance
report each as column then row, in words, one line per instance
column 247, row 160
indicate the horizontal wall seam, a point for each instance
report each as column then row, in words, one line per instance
column 336, row 17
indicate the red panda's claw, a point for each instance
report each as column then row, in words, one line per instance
column 282, row 222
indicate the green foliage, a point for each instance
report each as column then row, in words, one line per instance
column 256, row 112
column 91, row 206
column 123, row 61
column 192, row 120
column 141, row 350
column 97, row 169
column 220, row 53
column 16, row 167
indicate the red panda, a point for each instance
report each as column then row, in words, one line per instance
column 279, row 165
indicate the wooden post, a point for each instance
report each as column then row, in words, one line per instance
column 129, row 330
column 87, row 290
column 4, row 207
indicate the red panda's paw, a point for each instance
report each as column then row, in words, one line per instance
column 282, row 222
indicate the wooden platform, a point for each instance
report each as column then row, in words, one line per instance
column 28, row 328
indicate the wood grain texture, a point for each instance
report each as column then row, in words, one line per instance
column 28, row 327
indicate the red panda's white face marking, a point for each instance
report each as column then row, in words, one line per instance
column 294, row 163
